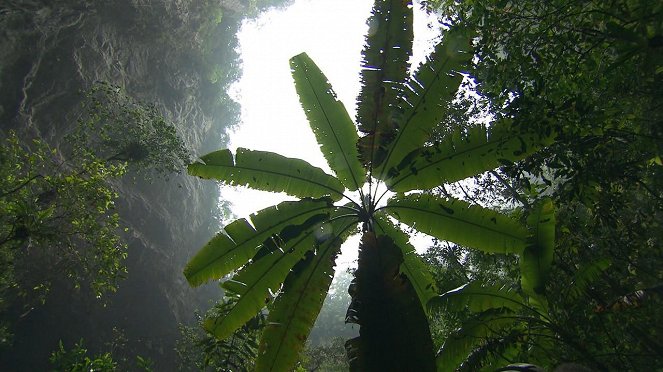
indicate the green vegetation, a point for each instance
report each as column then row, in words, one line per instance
column 77, row 359
column 285, row 254
column 567, row 274
column 330, row 323
column 181, row 55
column 116, row 128
column 58, row 215
column 328, row 356
column 200, row 351
column 57, row 210
column 591, row 72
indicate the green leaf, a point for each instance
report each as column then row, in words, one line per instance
column 463, row 154
column 329, row 120
column 537, row 258
column 393, row 333
column 491, row 354
column 255, row 281
column 267, row 171
column 296, row 308
column 459, row 222
column 432, row 88
column 587, row 274
column 239, row 241
column 462, row 342
column 384, row 69
column 478, row 298
column 413, row 267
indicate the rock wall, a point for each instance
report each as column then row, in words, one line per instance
column 177, row 54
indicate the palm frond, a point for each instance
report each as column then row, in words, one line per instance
column 457, row 221
column 240, row 240
column 429, row 92
column 267, row 171
column 384, row 69
column 462, row 154
column 329, row 120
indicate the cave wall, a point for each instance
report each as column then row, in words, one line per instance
column 160, row 52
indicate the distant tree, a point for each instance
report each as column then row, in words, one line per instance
column 256, row 7
column 328, row 356
column 330, row 323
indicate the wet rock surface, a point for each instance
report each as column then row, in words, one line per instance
column 159, row 51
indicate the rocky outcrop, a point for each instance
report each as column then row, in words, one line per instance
column 177, row 54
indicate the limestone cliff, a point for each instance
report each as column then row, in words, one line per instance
column 177, row 54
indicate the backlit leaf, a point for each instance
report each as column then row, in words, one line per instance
column 384, row 69
column 240, row 240
column 294, row 312
column 267, row 171
column 457, row 221
column 463, row 154
column 428, row 93
column 330, row 122
column 478, row 297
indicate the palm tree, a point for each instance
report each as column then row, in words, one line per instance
column 287, row 251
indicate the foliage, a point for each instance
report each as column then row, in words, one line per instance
column 328, row 356
column 57, row 210
column 590, row 70
column 213, row 41
column 287, row 251
column 77, row 359
column 116, row 128
column 256, row 7
column 199, row 350
column 69, row 203
column 60, row 217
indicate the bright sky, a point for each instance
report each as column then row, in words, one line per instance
column 332, row 33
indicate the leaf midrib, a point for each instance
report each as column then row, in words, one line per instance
column 331, row 127
column 452, row 218
column 307, row 180
column 463, row 152
column 413, row 112
column 486, row 293
column 265, row 272
column 211, row 262
column 382, row 73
